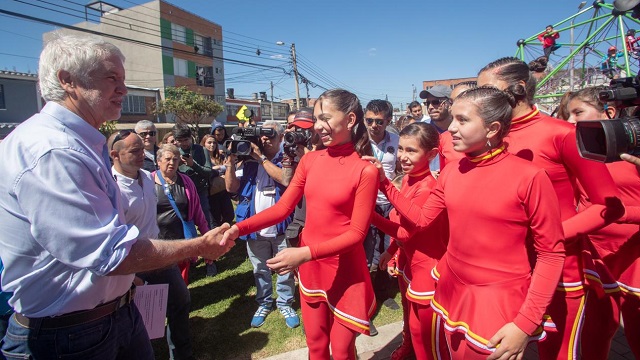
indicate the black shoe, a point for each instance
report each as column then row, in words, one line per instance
column 391, row 304
column 212, row 269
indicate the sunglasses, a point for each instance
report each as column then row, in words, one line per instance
column 122, row 134
column 434, row 102
column 144, row 134
column 370, row 121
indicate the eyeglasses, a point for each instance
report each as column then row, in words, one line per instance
column 122, row 134
column 144, row 134
column 370, row 121
column 435, row 102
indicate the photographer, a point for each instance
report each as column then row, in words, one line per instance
column 301, row 120
column 258, row 183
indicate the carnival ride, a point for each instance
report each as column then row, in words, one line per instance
column 585, row 39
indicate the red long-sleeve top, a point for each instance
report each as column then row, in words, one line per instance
column 494, row 207
column 548, row 40
column 617, row 244
column 340, row 190
column 550, row 144
column 422, row 247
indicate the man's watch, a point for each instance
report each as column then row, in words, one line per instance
column 263, row 159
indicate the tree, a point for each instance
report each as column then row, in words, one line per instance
column 189, row 107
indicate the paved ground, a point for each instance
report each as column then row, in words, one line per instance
column 381, row 346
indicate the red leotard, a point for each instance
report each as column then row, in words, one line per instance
column 550, row 144
column 340, row 190
column 421, row 250
column 495, row 206
column 617, row 246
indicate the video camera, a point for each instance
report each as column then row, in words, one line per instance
column 294, row 138
column 605, row 140
column 240, row 142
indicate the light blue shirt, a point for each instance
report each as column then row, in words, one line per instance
column 63, row 227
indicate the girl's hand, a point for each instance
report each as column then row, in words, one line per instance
column 377, row 164
column 230, row 235
column 289, row 259
column 512, row 340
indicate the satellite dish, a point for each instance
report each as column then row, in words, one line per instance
column 625, row 5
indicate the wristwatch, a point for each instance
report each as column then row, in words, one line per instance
column 263, row 159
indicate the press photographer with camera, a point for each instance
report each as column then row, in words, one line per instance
column 611, row 245
column 258, row 183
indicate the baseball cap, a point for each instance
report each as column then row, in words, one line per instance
column 438, row 91
column 303, row 118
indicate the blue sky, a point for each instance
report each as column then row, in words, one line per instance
column 372, row 47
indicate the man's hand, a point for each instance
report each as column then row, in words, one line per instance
column 187, row 159
column 255, row 151
column 631, row 159
column 289, row 259
column 512, row 341
column 213, row 243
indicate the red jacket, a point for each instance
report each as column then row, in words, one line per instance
column 548, row 40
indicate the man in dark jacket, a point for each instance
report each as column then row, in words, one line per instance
column 149, row 135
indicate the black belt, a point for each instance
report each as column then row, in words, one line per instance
column 78, row 317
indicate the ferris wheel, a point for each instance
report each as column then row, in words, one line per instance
column 587, row 39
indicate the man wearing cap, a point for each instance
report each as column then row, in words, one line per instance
column 438, row 103
column 258, row 183
column 302, row 120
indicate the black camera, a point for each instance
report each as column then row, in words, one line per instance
column 240, row 142
column 294, row 138
column 605, row 140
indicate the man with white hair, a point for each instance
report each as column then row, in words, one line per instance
column 149, row 135
column 68, row 253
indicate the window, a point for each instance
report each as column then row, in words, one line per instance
column 3, row 106
column 134, row 104
column 204, row 76
column 217, row 70
column 180, row 67
column 203, row 44
column 178, row 33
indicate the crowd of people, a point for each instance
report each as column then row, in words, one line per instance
column 497, row 232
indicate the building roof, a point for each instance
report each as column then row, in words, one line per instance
column 17, row 74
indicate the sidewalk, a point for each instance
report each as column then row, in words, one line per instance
column 381, row 346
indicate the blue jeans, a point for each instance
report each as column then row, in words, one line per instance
column 204, row 204
column 178, row 307
column 260, row 251
column 376, row 242
column 120, row 336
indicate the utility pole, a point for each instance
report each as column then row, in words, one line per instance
column 295, row 74
column 307, row 85
column 272, row 100
column 414, row 92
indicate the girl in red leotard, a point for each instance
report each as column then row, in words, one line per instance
column 617, row 246
column 550, row 144
column 499, row 206
column 337, row 298
column 418, row 254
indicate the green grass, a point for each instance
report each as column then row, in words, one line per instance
column 222, row 308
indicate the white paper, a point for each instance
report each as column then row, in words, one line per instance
column 151, row 301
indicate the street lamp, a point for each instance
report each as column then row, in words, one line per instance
column 295, row 71
column 582, row 4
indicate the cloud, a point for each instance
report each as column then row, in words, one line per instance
column 277, row 56
column 372, row 51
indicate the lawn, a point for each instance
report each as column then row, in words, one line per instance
column 221, row 310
